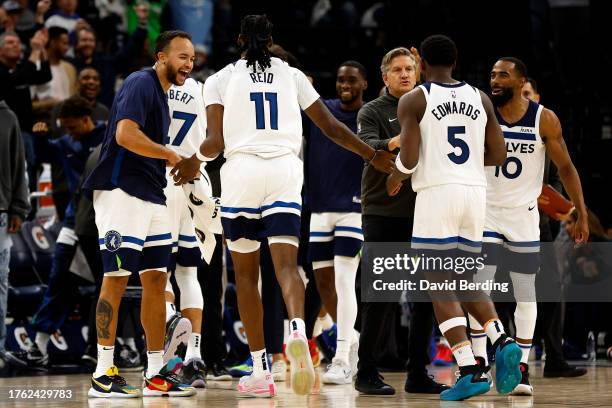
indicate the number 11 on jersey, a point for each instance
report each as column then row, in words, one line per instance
column 258, row 98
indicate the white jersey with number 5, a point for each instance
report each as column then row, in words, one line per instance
column 261, row 108
column 452, row 137
column 188, row 117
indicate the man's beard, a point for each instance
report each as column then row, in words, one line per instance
column 502, row 98
column 349, row 100
column 171, row 75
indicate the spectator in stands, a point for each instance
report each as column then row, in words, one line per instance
column 63, row 83
column 108, row 66
column 64, row 15
column 14, row 206
column 16, row 76
column 72, row 150
column 26, row 21
column 89, row 89
column 201, row 70
column 195, row 17
column 153, row 22
column 7, row 22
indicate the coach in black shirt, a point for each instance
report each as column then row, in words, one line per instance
column 389, row 219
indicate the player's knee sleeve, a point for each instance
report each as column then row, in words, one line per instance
column 191, row 292
column 526, row 311
column 169, row 284
column 487, row 273
column 243, row 245
column 524, row 287
column 284, row 239
column 345, row 269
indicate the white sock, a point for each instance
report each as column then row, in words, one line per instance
column 343, row 347
column 525, row 349
column 463, row 354
column 299, row 325
column 479, row 340
column 345, row 269
column 170, row 310
column 326, row 322
column 105, row 360
column 494, row 329
column 155, row 362
column 193, row 347
column 260, row 362
column 42, row 340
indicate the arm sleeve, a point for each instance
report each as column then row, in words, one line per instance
column 368, row 129
column 134, row 100
column 20, row 204
column 211, row 93
column 306, row 93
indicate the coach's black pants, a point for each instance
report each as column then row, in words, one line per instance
column 373, row 315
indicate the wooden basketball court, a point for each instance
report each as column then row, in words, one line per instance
column 591, row 390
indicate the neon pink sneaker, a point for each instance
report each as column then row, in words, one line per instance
column 302, row 370
column 257, row 386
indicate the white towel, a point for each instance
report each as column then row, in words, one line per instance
column 205, row 212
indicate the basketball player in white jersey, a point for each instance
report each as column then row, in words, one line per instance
column 512, row 218
column 253, row 111
column 186, row 133
column 449, row 133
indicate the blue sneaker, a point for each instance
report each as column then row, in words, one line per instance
column 471, row 382
column 507, row 364
column 240, row 370
column 327, row 341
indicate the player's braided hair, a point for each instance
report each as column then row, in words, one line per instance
column 257, row 31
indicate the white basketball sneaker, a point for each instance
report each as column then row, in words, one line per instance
column 300, row 363
column 338, row 372
column 279, row 370
column 261, row 386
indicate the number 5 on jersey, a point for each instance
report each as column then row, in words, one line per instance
column 258, row 98
column 454, row 141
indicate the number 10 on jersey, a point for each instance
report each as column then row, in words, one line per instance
column 258, row 98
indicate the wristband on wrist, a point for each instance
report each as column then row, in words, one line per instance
column 400, row 166
column 203, row 158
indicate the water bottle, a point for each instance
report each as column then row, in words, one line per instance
column 591, row 347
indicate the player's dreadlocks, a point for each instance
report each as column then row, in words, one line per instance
column 257, row 32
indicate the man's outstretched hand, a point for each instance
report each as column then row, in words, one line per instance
column 383, row 161
column 186, row 170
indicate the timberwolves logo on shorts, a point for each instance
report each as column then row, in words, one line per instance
column 112, row 240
